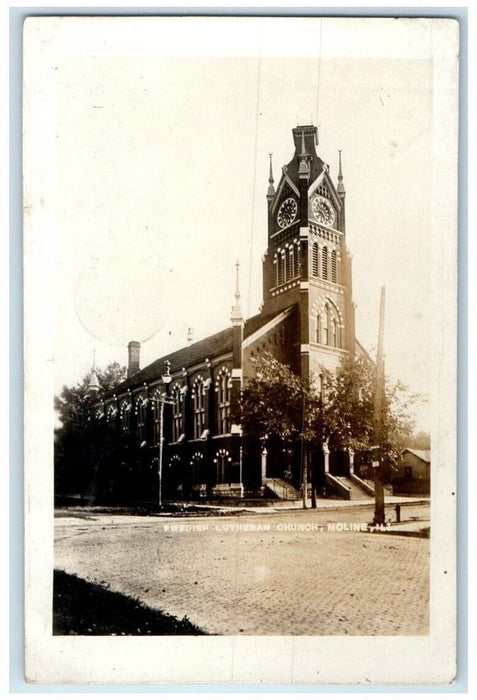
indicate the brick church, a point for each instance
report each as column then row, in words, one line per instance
column 306, row 321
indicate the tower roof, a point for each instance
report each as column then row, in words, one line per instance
column 305, row 136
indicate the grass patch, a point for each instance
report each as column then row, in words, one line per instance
column 84, row 608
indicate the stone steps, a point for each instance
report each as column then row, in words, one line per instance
column 282, row 489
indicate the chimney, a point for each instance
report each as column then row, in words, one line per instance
column 133, row 357
column 190, row 336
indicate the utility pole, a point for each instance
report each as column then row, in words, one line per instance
column 304, row 454
column 379, row 515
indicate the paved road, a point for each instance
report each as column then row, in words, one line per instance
column 283, row 573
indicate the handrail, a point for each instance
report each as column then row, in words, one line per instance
column 285, row 493
column 363, row 484
column 338, row 486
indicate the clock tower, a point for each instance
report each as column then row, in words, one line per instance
column 307, row 263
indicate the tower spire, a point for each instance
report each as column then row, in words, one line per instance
column 271, row 188
column 236, row 314
column 340, row 189
column 93, row 384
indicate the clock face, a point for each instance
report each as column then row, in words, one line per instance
column 323, row 210
column 287, row 212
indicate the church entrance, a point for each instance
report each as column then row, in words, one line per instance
column 339, row 463
column 317, row 470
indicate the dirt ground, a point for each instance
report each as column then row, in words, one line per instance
column 284, row 573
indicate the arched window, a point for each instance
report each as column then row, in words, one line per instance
column 223, row 386
column 314, row 259
column 176, row 397
column 324, row 263
column 326, row 321
column 197, row 468
column 296, row 260
column 279, row 268
column 111, row 413
column 288, row 264
column 125, row 415
column 334, row 271
column 222, row 461
column 156, row 414
column 328, row 327
column 140, row 411
column 199, row 407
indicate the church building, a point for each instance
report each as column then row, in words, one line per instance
column 306, row 321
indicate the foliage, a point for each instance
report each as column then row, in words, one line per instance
column 74, row 438
column 349, row 400
column 272, row 402
column 338, row 407
column 72, row 405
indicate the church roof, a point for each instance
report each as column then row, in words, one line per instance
column 213, row 346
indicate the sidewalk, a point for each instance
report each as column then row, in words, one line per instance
column 412, row 524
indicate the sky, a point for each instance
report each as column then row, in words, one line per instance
column 147, row 159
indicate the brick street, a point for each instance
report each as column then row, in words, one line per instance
column 279, row 573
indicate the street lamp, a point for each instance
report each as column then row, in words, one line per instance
column 166, row 380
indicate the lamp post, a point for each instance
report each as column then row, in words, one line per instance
column 166, row 380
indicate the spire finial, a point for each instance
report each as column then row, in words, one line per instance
column 237, row 287
column 340, row 189
column 271, row 188
column 93, row 384
column 236, row 315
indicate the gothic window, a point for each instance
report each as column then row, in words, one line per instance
column 156, row 413
column 279, row 268
column 288, row 264
column 324, row 191
column 223, row 401
column 222, row 461
column 333, row 333
column 326, row 320
column 197, row 468
column 334, row 276
column 140, row 420
column 328, row 329
column 176, row 413
column 324, row 263
column 314, row 259
column 199, row 407
column 111, row 417
column 125, row 414
column 296, row 261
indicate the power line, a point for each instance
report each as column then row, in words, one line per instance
column 252, row 223
column 319, row 72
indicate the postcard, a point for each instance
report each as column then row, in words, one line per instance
column 240, row 309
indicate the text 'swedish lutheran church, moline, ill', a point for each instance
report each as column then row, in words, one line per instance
column 306, row 322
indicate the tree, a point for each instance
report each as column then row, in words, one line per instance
column 75, row 435
column 350, row 409
column 277, row 404
column 271, row 403
column 337, row 408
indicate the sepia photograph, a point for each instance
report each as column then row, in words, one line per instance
column 240, row 349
